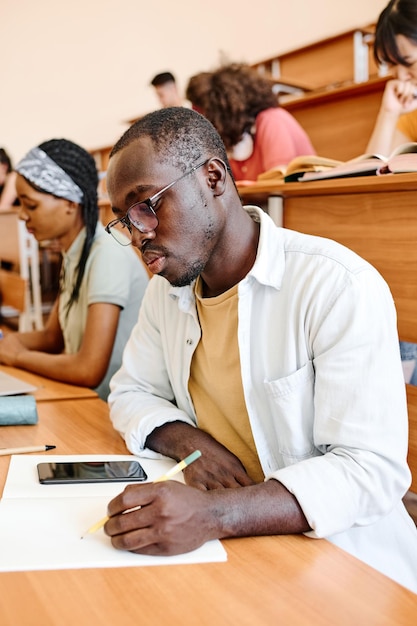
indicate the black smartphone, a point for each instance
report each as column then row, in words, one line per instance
column 91, row 472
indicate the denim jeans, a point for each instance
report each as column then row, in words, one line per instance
column 409, row 353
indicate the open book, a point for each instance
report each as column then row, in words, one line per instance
column 297, row 167
column 402, row 159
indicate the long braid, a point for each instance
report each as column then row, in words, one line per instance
column 81, row 167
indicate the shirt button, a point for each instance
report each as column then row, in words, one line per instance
column 189, row 342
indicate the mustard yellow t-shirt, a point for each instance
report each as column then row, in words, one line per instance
column 215, row 382
column 407, row 124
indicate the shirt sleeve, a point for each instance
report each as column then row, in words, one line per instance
column 360, row 414
column 142, row 397
column 280, row 137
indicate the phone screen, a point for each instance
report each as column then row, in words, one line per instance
column 91, row 472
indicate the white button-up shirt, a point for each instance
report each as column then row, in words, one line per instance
column 323, row 386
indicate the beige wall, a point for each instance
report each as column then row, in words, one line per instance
column 79, row 69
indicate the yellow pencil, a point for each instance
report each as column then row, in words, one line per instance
column 25, row 450
column 174, row 470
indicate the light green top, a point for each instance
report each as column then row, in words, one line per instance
column 113, row 274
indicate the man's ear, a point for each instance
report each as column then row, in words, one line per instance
column 217, row 174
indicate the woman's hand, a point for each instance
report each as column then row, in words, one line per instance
column 10, row 348
column 400, row 96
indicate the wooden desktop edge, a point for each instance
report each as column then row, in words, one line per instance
column 357, row 184
column 48, row 389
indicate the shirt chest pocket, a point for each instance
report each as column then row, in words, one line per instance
column 291, row 406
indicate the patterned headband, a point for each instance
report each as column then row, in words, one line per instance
column 43, row 172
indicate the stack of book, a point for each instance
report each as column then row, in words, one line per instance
column 313, row 167
column 403, row 159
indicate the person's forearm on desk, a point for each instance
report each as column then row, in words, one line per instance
column 68, row 368
column 225, row 502
column 85, row 367
column 384, row 134
column 399, row 98
column 48, row 339
column 175, row 518
column 217, row 467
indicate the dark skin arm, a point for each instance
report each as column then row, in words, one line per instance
column 174, row 518
column 217, row 466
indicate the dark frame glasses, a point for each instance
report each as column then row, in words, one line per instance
column 142, row 214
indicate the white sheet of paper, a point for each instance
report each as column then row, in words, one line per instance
column 11, row 386
column 22, row 478
column 41, row 525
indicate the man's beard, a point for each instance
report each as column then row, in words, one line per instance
column 190, row 275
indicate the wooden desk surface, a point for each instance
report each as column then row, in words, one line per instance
column 266, row 580
column 331, row 186
column 48, row 389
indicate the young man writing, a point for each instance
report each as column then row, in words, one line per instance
column 274, row 353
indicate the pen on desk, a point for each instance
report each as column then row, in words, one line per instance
column 25, row 450
column 174, row 470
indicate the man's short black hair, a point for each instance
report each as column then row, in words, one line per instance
column 162, row 79
column 180, row 135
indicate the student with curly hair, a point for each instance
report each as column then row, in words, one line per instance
column 257, row 132
column 101, row 282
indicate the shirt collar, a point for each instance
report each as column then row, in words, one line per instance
column 268, row 268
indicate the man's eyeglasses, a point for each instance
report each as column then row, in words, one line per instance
column 142, row 214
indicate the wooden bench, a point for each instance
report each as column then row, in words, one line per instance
column 339, row 121
column 342, row 86
column 345, row 57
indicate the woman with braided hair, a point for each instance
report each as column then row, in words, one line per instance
column 101, row 282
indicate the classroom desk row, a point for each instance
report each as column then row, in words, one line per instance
column 289, row 579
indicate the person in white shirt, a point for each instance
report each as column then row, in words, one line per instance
column 272, row 352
